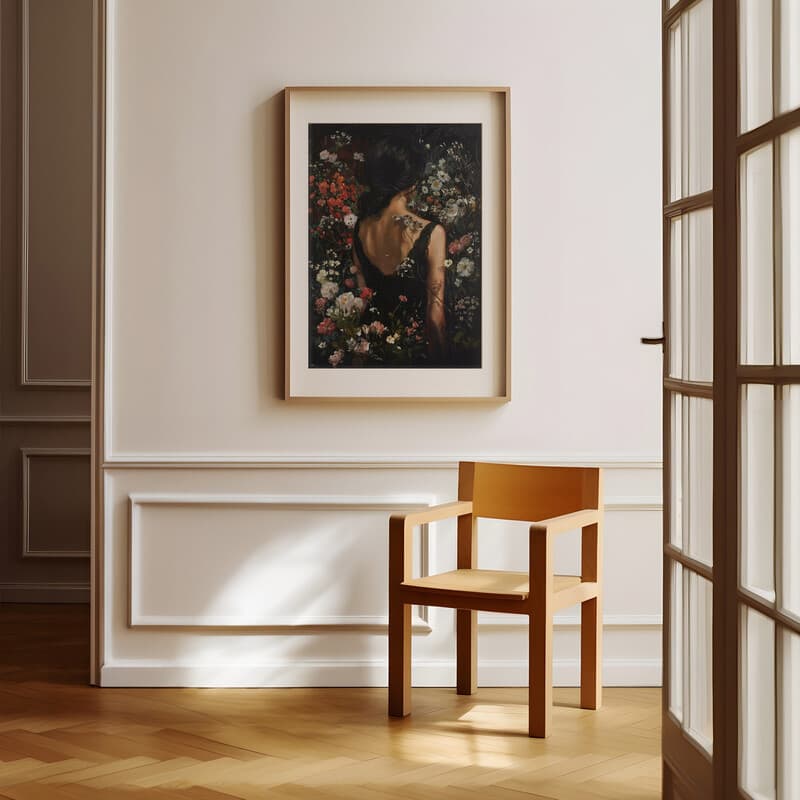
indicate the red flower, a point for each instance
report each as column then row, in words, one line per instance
column 403, row 298
column 366, row 293
column 349, row 283
column 326, row 326
column 346, row 209
column 311, row 179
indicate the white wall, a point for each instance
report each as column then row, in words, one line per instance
column 195, row 332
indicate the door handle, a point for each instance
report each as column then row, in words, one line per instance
column 654, row 339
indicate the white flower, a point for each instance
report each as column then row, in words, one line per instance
column 328, row 290
column 358, row 156
column 451, row 210
column 350, row 220
column 436, row 184
column 448, row 262
column 443, row 176
column 391, row 339
column 465, row 267
column 322, row 276
column 351, row 343
column 333, row 157
column 322, row 345
column 362, row 346
column 324, row 155
column 347, row 303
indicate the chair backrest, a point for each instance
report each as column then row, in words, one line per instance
column 529, row 493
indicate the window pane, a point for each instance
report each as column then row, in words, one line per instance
column 701, row 299
column 691, row 296
column 790, row 563
column 789, row 722
column 677, row 433
column 676, row 110
column 758, row 482
column 700, row 721
column 755, row 63
column 676, row 311
column 700, row 478
column 755, row 195
column 757, row 764
column 690, row 102
column 676, row 641
column 790, row 57
column 790, row 240
column 698, row 90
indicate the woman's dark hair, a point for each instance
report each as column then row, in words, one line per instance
column 392, row 165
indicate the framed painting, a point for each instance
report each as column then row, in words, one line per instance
column 397, row 243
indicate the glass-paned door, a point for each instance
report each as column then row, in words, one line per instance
column 767, row 594
column 688, row 397
column 731, row 72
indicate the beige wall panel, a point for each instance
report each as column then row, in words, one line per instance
column 56, row 502
column 57, row 172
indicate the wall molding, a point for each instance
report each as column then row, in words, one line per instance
column 245, row 461
column 25, row 379
column 15, row 419
column 27, row 454
column 420, row 623
column 44, row 592
column 367, row 672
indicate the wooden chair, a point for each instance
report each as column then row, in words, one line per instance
column 555, row 500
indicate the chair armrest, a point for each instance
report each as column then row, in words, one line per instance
column 567, row 522
column 459, row 508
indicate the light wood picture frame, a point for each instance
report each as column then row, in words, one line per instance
column 427, row 168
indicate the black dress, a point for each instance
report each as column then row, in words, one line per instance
column 404, row 290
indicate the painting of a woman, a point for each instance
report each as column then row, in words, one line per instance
column 394, row 239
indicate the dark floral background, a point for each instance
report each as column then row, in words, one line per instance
column 345, row 329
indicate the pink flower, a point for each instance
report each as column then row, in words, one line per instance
column 326, row 326
column 377, row 327
column 335, row 358
column 319, row 304
column 362, row 346
column 402, row 298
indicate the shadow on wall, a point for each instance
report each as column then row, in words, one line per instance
column 268, row 229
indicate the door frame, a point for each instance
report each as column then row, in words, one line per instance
column 97, row 572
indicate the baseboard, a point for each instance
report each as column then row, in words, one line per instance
column 616, row 672
column 44, row 593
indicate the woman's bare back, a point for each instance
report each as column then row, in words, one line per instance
column 387, row 240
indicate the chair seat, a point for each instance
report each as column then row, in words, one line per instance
column 499, row 585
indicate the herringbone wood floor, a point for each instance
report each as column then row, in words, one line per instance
column 62, row 740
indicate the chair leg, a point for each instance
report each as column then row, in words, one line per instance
column 466, row 652
column 540, row 673
column 591, row 654
column 399, row 659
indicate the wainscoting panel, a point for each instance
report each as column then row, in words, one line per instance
column 55, row 502
column 273, row 571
